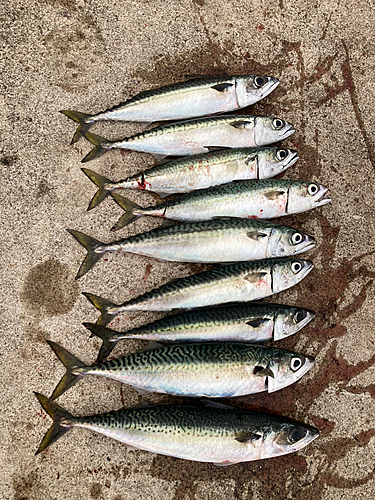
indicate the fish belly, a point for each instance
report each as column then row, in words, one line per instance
column 214, row 447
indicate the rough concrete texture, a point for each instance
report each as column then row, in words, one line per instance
column 91, row 55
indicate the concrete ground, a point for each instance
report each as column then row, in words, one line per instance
column 91, row 55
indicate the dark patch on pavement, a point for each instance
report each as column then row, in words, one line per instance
column 96, row 490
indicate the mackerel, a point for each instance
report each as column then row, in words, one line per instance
column 241, row 282
column 208, row 241
column 196, row 97
column 263, row 199
column 213, row 370
column 183, row 175
column 211, row 432
column 198, row 136
column 229, row 323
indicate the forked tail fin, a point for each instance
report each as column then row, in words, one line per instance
column 62, row 422
column 105, row 187
column 101, row 144
column 95, row 250
column 108, row 336
column 80, row 118
column 129, row 207
column 75, row 369
column 107, row 309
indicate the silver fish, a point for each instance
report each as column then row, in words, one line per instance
column 197, row 97
column 183, row 175
column 241, row 282
column 198, row 136
column 208, row 241
column 229, row 323
column 211, row 432
column 264, row 199
column 213, row 370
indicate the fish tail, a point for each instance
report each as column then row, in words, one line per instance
column 108, row 336
column 75, row 369
column 107, row 309
column 91, row 245
column 129, row 207
column 82, row 119
column 103, row 184
column 101, row 144
column 62, row 421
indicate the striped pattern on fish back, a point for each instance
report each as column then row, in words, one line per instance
column 208, row 316
column 226, row 273
column 188, row 420
column 186, row 355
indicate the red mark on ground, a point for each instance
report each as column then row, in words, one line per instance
column 147, row 272
column 41, row 413
column 260, row 27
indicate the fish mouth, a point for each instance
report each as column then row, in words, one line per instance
column 305, row 246
column 320, row 199
column 288, row 130
column 291, row 160
column 269, row 86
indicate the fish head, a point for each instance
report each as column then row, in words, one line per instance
column 286, row 436
column 253, row 88
column 274, row 161
column 290, row 320
column 304, row 196
column 288, row 241
column 268, row 130
column 287, row 367
column 286, row 273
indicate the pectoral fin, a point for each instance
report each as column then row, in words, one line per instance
column 240, row 125
column 256, row 323
column 259, row 371
column 222, row 87
column 256, row 236
column 254, row 277
column 248, row 438
column 273, row 195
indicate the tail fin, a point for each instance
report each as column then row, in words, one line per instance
column 101, row 146
column 108, row 336
column 62, row 422
column 75, row 369
column 107, row 309
column 127, row 205
column 93, row 255
column 103, row 184
column 81, row 119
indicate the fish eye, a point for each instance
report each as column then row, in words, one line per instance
column 296, row 434
column 297, row 238
column 312, row 189
column 259, row 81
column 295, row 364
column 296, row 267
column 281, row 154
column 278, row 123
column 299, row 316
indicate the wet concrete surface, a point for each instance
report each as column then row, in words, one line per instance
column 90, row 55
